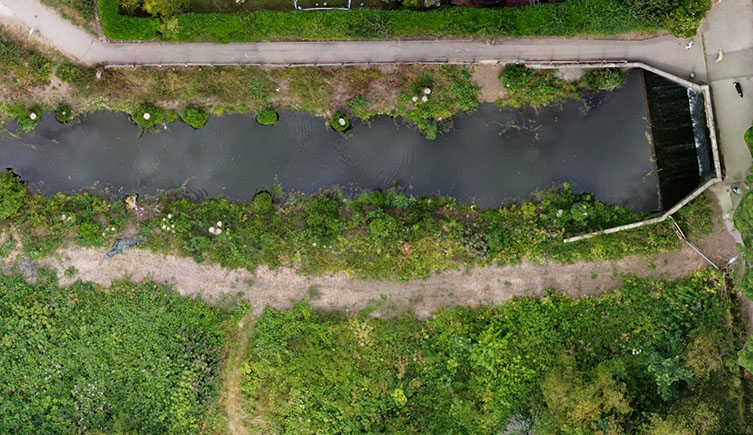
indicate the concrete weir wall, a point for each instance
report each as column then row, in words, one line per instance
column 703, row 89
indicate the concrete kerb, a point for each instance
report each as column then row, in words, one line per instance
column 704, row 89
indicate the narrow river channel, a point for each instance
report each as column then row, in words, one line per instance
column 601, row 144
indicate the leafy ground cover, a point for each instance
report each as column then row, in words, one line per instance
column 126, row 359
column 378, row 235
column 593, row 17
column 650, row 357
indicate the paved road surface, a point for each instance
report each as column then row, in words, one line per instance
column 666, row 52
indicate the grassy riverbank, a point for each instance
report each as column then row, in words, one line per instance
column 34, row 81
column 378, row 235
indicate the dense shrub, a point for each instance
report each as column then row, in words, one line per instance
column 603, row 79
column 131, row 358
column 553, row 364
column 12, row 194
column 450, row 91
column 534, row 87
column 604, row 17
column 27, row 118
column 148, row 116
column 117, row 26
column 196, row 118
column 340, row 122
column 267, row 117
column 63, row 113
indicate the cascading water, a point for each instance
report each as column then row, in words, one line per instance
column 680, row 137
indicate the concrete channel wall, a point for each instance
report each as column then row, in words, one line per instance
column 704, row 89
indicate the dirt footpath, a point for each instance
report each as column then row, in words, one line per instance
column 282, row 287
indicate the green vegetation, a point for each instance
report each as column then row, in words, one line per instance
column 592, row 17
column 603, row 79
column 130, row 358
column 196, row 118
column 540, row 87
column 63, row 113
column 26, row 118
column 649, row 357
column 743, row 219
column 697, row 218
column 378, row 235
column 267, row 117
column 432, row 99
column 359, row 107
column 339, row 122
column 148, row 116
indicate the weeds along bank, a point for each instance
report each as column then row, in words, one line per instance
column 425, row 97
column 377, row 235
column 651, row 357
column 743, row 219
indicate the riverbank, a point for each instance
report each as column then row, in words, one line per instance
column 36, row 78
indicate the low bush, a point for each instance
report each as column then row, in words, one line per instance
column 196, row 118
column 340, row 122
column 63, row 114
column 434, row 97
column 267, row 117
column 27, row 118
column 148, row 116
column 549, row 365
column 358, row 106
column 12, row 195
column 603, row 79
column 534, row 87
column 126, row 359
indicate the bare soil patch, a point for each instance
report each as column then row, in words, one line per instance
column 282, row 287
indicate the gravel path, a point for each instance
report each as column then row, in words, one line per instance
column 280, row 288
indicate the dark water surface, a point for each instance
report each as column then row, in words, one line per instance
column 601, row 145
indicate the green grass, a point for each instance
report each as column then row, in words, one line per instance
column 593, row 17
column 648, row 355
column 26, row 118
column 130, row 358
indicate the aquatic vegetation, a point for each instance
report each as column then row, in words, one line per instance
column 339, row 122
column 267, row 117
column 147, row 116
column 63, row 113
column 196, row 118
